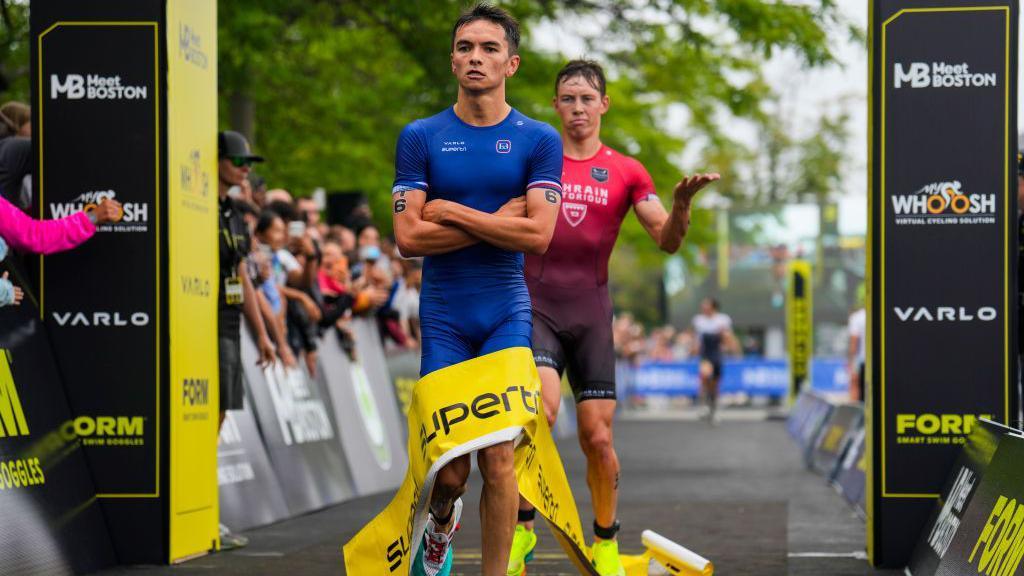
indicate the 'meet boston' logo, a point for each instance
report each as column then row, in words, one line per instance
column 503, row 146
column 599, row 174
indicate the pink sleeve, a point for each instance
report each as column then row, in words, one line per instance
column 43, row 236
column 641, row 184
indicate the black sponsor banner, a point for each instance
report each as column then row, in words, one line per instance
column 942, row 309
column 299, row 430
column 957, row 495
column 365, row 408
column 843, row 422
column 250, row 495
column 97, row 133
column 849, row 477
column 52, row 523
column 100, row 301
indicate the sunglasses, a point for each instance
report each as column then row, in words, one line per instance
column 238, row 161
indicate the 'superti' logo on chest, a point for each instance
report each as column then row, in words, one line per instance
column 503, row 146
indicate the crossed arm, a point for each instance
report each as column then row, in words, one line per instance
column 441, row 226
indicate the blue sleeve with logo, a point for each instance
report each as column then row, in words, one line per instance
column 411, row 160
column 545, row 168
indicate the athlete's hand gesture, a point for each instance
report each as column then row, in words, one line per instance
column 688, row 187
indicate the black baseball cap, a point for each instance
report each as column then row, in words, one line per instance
column 231, row 144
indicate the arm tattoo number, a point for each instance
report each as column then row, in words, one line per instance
column 400, row 203
column 551, row 196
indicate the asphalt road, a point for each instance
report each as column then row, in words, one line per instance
column 736, row 494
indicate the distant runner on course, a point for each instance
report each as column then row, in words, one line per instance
column 572, row 310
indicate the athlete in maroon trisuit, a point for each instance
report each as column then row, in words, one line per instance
column 572, row 310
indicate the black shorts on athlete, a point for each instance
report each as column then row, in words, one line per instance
column 572, row 332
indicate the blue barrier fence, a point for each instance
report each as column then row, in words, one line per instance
column 756, row 377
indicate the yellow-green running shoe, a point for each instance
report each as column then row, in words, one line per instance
column 606, row 558
column 523, row 543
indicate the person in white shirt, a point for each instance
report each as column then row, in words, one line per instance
column 713, row 331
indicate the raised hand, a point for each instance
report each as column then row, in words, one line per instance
column 688, row 187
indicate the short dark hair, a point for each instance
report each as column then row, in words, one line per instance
column 590, row 71
column 266, row 220
column 285, row 210
column 491, row 13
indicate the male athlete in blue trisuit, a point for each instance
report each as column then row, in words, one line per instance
column 460, row 178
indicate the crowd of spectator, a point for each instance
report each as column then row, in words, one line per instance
column 634, row 344
column 311, row 276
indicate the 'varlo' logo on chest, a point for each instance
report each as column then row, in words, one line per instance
column 454, row 146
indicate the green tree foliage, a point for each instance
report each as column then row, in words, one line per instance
column 14, row 50
column 325, row 86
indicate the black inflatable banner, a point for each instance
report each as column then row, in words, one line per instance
column 951, row 510
column 942, row 249
column 365, row 408
column 296, row 419
column 52, row 523
column 250, row 494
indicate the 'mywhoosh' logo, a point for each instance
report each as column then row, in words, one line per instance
column 134, row 216
column 1001, row 541
column 944, row 203
column 12, row 416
